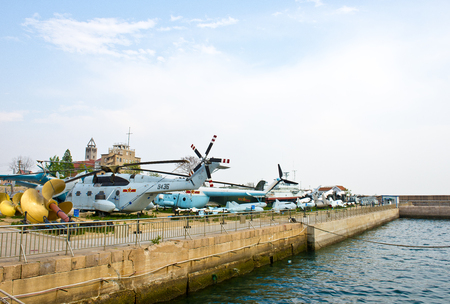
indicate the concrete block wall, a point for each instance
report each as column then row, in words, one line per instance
column 342, row 229
column 150, row 273
column 425, row 212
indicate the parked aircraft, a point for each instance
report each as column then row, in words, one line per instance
column 281, row 206
column 114, row 192
column 335, row 203
column 234, row 207
column 181, row 200
column 35, row 178
column 305, row 202
column 199, row 198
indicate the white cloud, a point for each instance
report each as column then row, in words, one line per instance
column 222, row 22
column 346, row 10
column 96, row 36
column 316, row 2
column 175, row 18
column 11, row 116
column 207, row 49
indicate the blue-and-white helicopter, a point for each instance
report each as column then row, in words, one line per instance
column 199, row 198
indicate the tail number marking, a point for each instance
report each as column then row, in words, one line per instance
column 163, row 186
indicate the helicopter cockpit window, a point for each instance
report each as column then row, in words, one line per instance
column 109, row 180
column 78, row 193
column 89, row 193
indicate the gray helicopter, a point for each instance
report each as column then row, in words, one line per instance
column 115, row 192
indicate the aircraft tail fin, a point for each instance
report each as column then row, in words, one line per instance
column 260, row 185
column 276, row 204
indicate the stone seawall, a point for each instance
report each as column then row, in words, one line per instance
column 153, row 273
column 150, row 273
column 424, row 212
column 342, row 229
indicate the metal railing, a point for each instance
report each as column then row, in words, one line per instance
column 25, row 240
column 8, row 299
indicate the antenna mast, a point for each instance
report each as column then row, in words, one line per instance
column 129, row 133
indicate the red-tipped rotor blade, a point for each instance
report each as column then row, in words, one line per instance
column 196, row 151
column 210, row 145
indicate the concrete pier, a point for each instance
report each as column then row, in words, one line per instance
column 159, row 272
column 424, row 211
column 344, row 228
column 151, row 273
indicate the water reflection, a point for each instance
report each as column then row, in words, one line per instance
column 352, row 271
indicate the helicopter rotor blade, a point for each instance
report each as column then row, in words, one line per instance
column 198, row 167
column 289, row 182
column 81, row 176
column 196, row 151
column 156, row 162
column 208, row 173
column 280, row 173
column 162, row 172
column 210, row 145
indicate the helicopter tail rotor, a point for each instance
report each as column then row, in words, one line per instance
column 207, row 161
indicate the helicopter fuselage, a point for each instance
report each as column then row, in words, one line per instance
column 127, row 192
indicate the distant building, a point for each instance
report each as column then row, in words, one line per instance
column 91, row 150
column 86, row 165
column 335, row 189
column 118, row 155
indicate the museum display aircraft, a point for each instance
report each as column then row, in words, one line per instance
column 106, row 190
column 234, row 207
column 282, row 206
column 115, row 192
column 199, row 198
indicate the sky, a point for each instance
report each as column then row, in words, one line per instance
column 351, row 93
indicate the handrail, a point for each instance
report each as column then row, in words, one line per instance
column 11, row 297
column 22, row 241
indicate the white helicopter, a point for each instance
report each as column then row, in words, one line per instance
column 113, row 192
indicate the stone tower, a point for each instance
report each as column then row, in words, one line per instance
column 91, row 150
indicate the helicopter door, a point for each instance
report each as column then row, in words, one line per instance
column 116, row 196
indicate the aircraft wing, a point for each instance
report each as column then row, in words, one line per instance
column 231, row 192
column 26, row 184
column 40, row 178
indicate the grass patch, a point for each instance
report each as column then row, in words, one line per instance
column 120, row 216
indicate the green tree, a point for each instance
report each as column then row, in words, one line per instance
column 67, row 164
column 54, row 165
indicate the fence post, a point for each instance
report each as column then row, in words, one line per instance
column 104, row 236
column 21, row 247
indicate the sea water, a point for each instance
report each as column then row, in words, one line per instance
column 353, row 271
